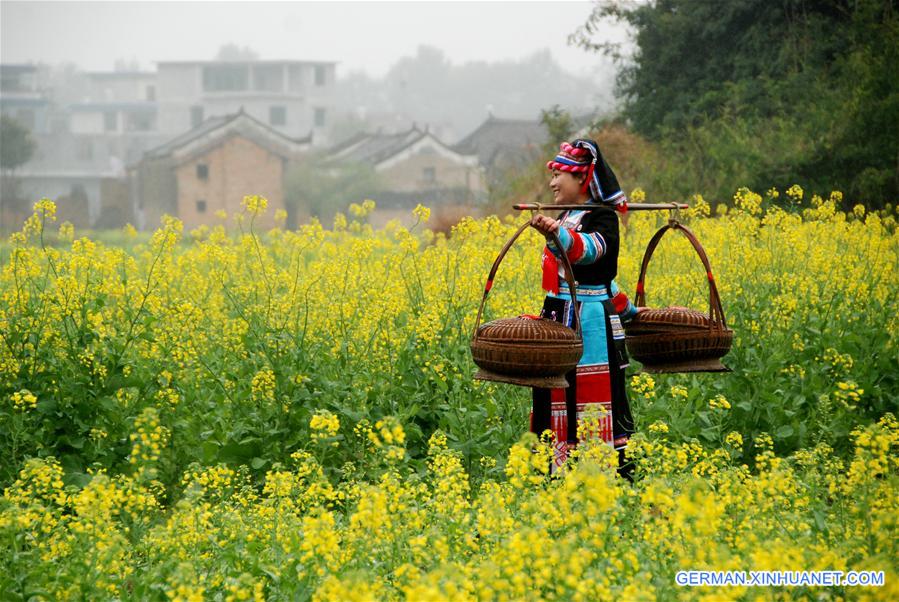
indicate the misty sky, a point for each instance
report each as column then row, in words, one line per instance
column 367, row 36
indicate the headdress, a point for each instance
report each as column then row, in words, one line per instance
column 583, row 156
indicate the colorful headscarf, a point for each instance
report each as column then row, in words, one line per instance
column 583, row 156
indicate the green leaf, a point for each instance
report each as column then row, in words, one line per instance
column 783, row 431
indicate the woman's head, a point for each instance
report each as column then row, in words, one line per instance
column 582, row 162
column 570, row 169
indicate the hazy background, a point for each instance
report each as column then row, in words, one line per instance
column 92, row 83
column 367, row 36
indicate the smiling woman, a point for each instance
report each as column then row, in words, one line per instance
column 589, row 239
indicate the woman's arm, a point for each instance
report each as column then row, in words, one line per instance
column 585, row 246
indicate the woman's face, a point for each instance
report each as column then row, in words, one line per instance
column 566, row 187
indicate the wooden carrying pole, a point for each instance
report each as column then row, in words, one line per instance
column 591, row 206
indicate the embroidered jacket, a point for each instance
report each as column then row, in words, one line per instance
column 590, row 239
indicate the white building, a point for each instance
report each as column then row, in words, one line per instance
column 295, row 98
column 22, row 98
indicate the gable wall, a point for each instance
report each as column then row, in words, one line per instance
column 236, row 168
column 408, row 175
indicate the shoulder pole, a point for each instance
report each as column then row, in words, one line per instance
column 592, row 206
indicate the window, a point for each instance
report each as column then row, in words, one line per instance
column 429, row 174
column 226, row 78
column 196, row 116
column 110, row 121
column 201, row 206
column 295, row 81
column 140, row 121
column 321, row 76
column 277, row 115
column 85, row 149
column 268, row 78
column 319, row 117
column 202, row 171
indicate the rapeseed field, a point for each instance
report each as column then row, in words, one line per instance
column 229, row 414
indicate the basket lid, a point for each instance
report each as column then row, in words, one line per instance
column 671, row 316
column 710, row 364
column 543, row 382
column 527, row 329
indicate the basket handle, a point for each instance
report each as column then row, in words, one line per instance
column 569, row 277
column 716, row 311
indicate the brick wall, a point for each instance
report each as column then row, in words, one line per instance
column 235, row 168
column 409, row 175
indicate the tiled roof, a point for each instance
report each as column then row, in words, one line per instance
column 497, row 138
column 208, row 125
column 212, row 124
column 374, row 148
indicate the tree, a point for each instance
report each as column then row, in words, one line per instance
column 16, row 144
column 233, row 52
column 322, row 191
column 792, row 90
column 559, row 126
column 16, row 148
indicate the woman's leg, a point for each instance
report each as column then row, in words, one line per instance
column 542, row 411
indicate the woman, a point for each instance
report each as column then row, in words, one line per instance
column 589, row 238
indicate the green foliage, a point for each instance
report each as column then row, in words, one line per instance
column 558, row 124
column 758, row 92
column 322, row 191
column 18, row 145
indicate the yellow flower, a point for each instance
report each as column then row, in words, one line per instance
column 719, row 402
column 254, row 204
column 324, row 424
column 658, row 427
column 422, row 213
column 795, row 193
column 66, row 231
column 644, row 384
column 734, row 439
column 263, row 385
column 24, row 400
column 45, row 208
column 679, row 391
column 638, row 195
column 848, row 393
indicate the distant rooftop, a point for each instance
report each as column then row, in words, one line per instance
column 119, row 74
column 498, row 140
column 212, row 124
column 247, row 62
column 17, row 68
column 147, row 106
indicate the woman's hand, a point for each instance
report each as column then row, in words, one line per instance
column 544, row 224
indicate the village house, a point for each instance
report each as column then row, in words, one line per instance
column 414, row 167
column 85, row 141
column 210, row 168
column 503, row 146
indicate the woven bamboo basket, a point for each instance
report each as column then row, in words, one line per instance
column 526, row 350
column 678, row 339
